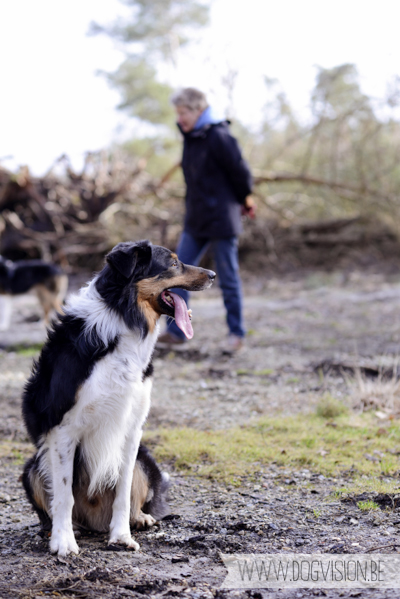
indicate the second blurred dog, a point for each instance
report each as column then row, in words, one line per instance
column 46, row 279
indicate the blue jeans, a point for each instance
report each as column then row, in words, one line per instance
column 190, row 251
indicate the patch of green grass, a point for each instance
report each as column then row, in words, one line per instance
column 26, row 351
column 367, row 506
column 292, row 442
column 388, row 465
column 368, row 484
column 264, row 372
column 18, row 457
column 16, row 450
column 329, row 407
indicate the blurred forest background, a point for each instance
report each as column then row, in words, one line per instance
column 327, row 186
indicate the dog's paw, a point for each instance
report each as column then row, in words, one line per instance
column 63, row 543
column 143, row 520
column 123, row 539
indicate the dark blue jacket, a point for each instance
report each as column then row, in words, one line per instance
column 217, row 180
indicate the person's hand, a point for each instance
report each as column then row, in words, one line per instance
column 249, row 207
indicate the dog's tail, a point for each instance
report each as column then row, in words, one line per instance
column 166, row 482
column 36, row 492
column 158, row 482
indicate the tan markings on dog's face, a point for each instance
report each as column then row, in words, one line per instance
column 192, row 278
column 147, row 301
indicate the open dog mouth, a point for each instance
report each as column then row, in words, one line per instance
column 180, row 311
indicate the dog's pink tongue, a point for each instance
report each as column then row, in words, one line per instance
column 181, row 315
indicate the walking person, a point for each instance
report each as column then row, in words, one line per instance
column 218, row 187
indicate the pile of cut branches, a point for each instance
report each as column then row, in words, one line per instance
column 74, row 218
column 59, row 217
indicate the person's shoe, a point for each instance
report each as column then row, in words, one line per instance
column 170, row 339
column 233, row 344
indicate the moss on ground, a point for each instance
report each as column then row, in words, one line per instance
column 349, row 444
column 26, row 351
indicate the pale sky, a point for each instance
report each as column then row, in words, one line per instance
column 52, row 102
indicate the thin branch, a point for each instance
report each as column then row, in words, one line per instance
column 307, row 180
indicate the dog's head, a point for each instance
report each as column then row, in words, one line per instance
column 137, row 279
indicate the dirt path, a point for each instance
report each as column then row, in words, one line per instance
column 296, row 328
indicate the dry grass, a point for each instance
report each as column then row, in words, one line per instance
column 381, row 394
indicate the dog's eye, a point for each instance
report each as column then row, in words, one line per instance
column 175, row 263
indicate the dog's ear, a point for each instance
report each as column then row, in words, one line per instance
column 128, row 258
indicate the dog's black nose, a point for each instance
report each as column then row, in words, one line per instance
column 211, row 275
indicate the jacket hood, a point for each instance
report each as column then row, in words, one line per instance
column 207, row 118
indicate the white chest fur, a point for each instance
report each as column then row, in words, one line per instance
column 112, row 404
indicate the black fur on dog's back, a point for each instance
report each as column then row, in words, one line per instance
column 68, row 349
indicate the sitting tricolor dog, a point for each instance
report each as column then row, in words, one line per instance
column 88, row 396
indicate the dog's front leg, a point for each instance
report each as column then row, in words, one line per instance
column 120, row 531
column 62, row 451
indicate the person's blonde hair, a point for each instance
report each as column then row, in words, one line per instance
column 191, row 98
